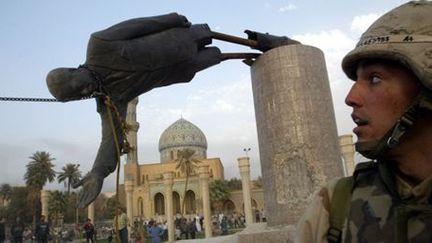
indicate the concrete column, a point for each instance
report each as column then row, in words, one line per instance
column 129, row 184
column 44, row 202
column 90, row 212
column 169, row 206
column 347, row 149
column 244, row 167
column 298, row 141
column 203, row 181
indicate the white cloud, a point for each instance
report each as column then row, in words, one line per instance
column 361, row 23
column 335, row 44
column 288, row 7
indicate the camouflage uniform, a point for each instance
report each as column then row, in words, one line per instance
column 373, row 210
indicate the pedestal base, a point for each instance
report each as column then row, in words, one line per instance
column 260, row 232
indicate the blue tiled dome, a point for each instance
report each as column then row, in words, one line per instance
column 182, row 134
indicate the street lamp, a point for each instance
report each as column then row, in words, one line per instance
column 246, row 150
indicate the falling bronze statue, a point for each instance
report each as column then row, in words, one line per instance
column 133, row 57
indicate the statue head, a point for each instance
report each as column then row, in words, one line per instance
column 67, row 84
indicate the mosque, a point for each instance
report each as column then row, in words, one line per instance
column 144, row 184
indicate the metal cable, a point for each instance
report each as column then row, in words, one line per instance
column 26, row 99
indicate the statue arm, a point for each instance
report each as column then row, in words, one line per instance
column 138, row 27
column 107, row 157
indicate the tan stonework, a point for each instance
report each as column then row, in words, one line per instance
column 204, row 177
column 168, row 181
column 90, row 212
column 296, row 127
column 348, row 151
column 244, row 168
column 44, row 201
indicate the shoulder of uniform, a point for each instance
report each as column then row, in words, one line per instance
column 365, row 166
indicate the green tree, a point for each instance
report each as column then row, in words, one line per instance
column 19, row 205
column 5, row 192
column 57, row 205
column 234, row 184
column 258, row 183
column 219, row 193
column 187, row 165
column 39, row 172
column 69, row 175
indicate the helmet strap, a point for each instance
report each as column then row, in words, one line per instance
column 375, row 149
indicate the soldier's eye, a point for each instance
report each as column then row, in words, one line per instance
column 375, row 79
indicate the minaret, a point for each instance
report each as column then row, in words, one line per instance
column 133, row 126
column 131, row 168
column 131, row 171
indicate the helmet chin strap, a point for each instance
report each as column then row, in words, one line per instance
column 376, row 149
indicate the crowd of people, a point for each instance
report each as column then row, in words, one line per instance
column 18, row 232
column 142, row 229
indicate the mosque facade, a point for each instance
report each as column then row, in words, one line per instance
column 144, row 183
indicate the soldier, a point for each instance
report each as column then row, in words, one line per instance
column 388, row 199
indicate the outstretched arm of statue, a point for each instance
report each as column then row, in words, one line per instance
column 138, row 27
column 107, row 155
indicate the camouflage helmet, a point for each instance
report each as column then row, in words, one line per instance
column 404, row 35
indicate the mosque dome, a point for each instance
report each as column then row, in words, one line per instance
column 180, row 135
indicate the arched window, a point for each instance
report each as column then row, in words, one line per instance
column 229, row 207
column 159, row 204
column 176, row 202
column 140, row 206
column 190, row 202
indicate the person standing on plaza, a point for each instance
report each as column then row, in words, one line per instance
column 122, row 223
column 155, row 232
column 42, row 231
column 17, row 231
column 388, row 199
column 89, row 231
column 2, row 230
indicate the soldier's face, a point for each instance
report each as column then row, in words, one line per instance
column 379, row 96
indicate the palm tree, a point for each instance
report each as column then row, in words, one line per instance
column 5, row 192
column 39, row 172
column 187, row 164
column 57, row 205
column 219, row 193
column 70, row 174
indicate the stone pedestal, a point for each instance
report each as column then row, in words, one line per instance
column 90, row 212
column 169, row 206
column 244, row 167
column 348, row 150
column 260, row 232
column 203, row 181
column 44, row 202
column 298, row 141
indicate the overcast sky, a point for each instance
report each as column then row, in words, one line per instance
column 38, row 36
